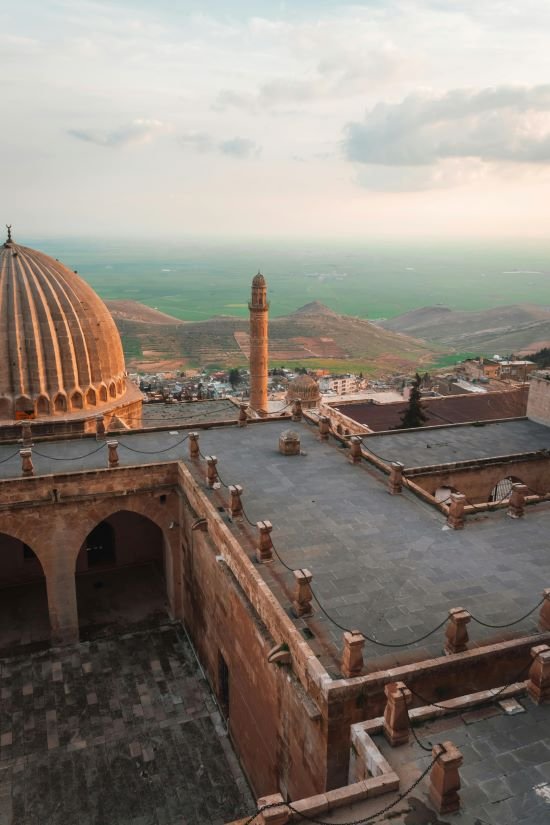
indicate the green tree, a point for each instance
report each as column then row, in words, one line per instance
column 414, row 415
column 234, row 377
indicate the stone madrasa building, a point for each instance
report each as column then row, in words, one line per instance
column 366, row 646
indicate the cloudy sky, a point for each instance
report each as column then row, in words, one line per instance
column 266, row 118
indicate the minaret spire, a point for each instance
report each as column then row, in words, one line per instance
column 258, row 308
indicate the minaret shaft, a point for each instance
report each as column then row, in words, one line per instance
column 259, row 309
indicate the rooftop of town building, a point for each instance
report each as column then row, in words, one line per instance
column 446, row 445
column 451, row 409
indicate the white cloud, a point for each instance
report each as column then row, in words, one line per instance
column 138, row 131
column 237, row 147
column 505, row 125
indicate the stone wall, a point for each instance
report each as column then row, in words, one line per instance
column 478, row 480
column 538, row 401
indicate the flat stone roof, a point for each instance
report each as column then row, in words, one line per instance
column 505, row 775
column 387, row 565
column 449, row 409
column 445, row 445
column 185, row 412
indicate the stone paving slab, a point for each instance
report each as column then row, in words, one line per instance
column 502, row 784
column 118, row 731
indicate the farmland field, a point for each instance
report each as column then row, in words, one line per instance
column 197, row 280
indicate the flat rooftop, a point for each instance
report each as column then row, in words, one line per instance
column 446, row 445
column 451, row 409
column 185, row 412
column 505, row 775
column 387, row 565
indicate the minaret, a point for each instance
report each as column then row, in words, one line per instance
column 258, row 307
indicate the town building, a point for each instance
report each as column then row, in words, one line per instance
column 502, row 369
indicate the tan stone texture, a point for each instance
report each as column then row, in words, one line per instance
column 259, row 308
column 59, row 346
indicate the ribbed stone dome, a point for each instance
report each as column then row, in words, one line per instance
column 60, row 350
column 305, row 388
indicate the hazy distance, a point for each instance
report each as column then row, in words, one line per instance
column 387, row 118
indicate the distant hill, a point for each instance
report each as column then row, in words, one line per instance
column 518, row 328
column 313, row 332
column 134, row 311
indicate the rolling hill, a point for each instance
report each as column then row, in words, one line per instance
column 519, row 328
column 312, row 334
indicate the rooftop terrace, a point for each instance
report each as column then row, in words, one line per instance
column 387, row 565
column 444, row 445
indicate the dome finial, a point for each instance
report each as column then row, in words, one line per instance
column 8, row 227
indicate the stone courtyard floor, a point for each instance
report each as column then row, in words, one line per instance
column 115, row 731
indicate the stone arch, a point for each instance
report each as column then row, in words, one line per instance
column 24, row 612
column 60, row 403
column 119, row 387
column 121, row 569
column 24, row 406
column 42, row 405
column 102, row 511
column 502, row 489
column 112, row 389
column 91, row 397
column 102, row 393
column 77, row 401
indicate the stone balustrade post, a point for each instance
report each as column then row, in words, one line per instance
column 113, row 453
column 243, row 418
column 264, row 551
column 445, row 778
column 26, row 433
column 516, row 503
column 194, row 450
column 235, row 503
column 99, row 427
column 27, row 466
column 395, row 482
column 211, row 471
column 544, row 615
column 396, row 715
column 324, row 427
column 301, row 605
column 297, row 412
column 355, row 454
column 456, row 634
column 538, row 685
column 455, row 519
column 352, row 655
column 277, row 815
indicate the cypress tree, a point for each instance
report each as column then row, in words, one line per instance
column 414, row 415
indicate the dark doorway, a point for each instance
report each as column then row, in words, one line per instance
column 100, row 546
column 223, row 685
column 120, row 578
column 24, row 617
